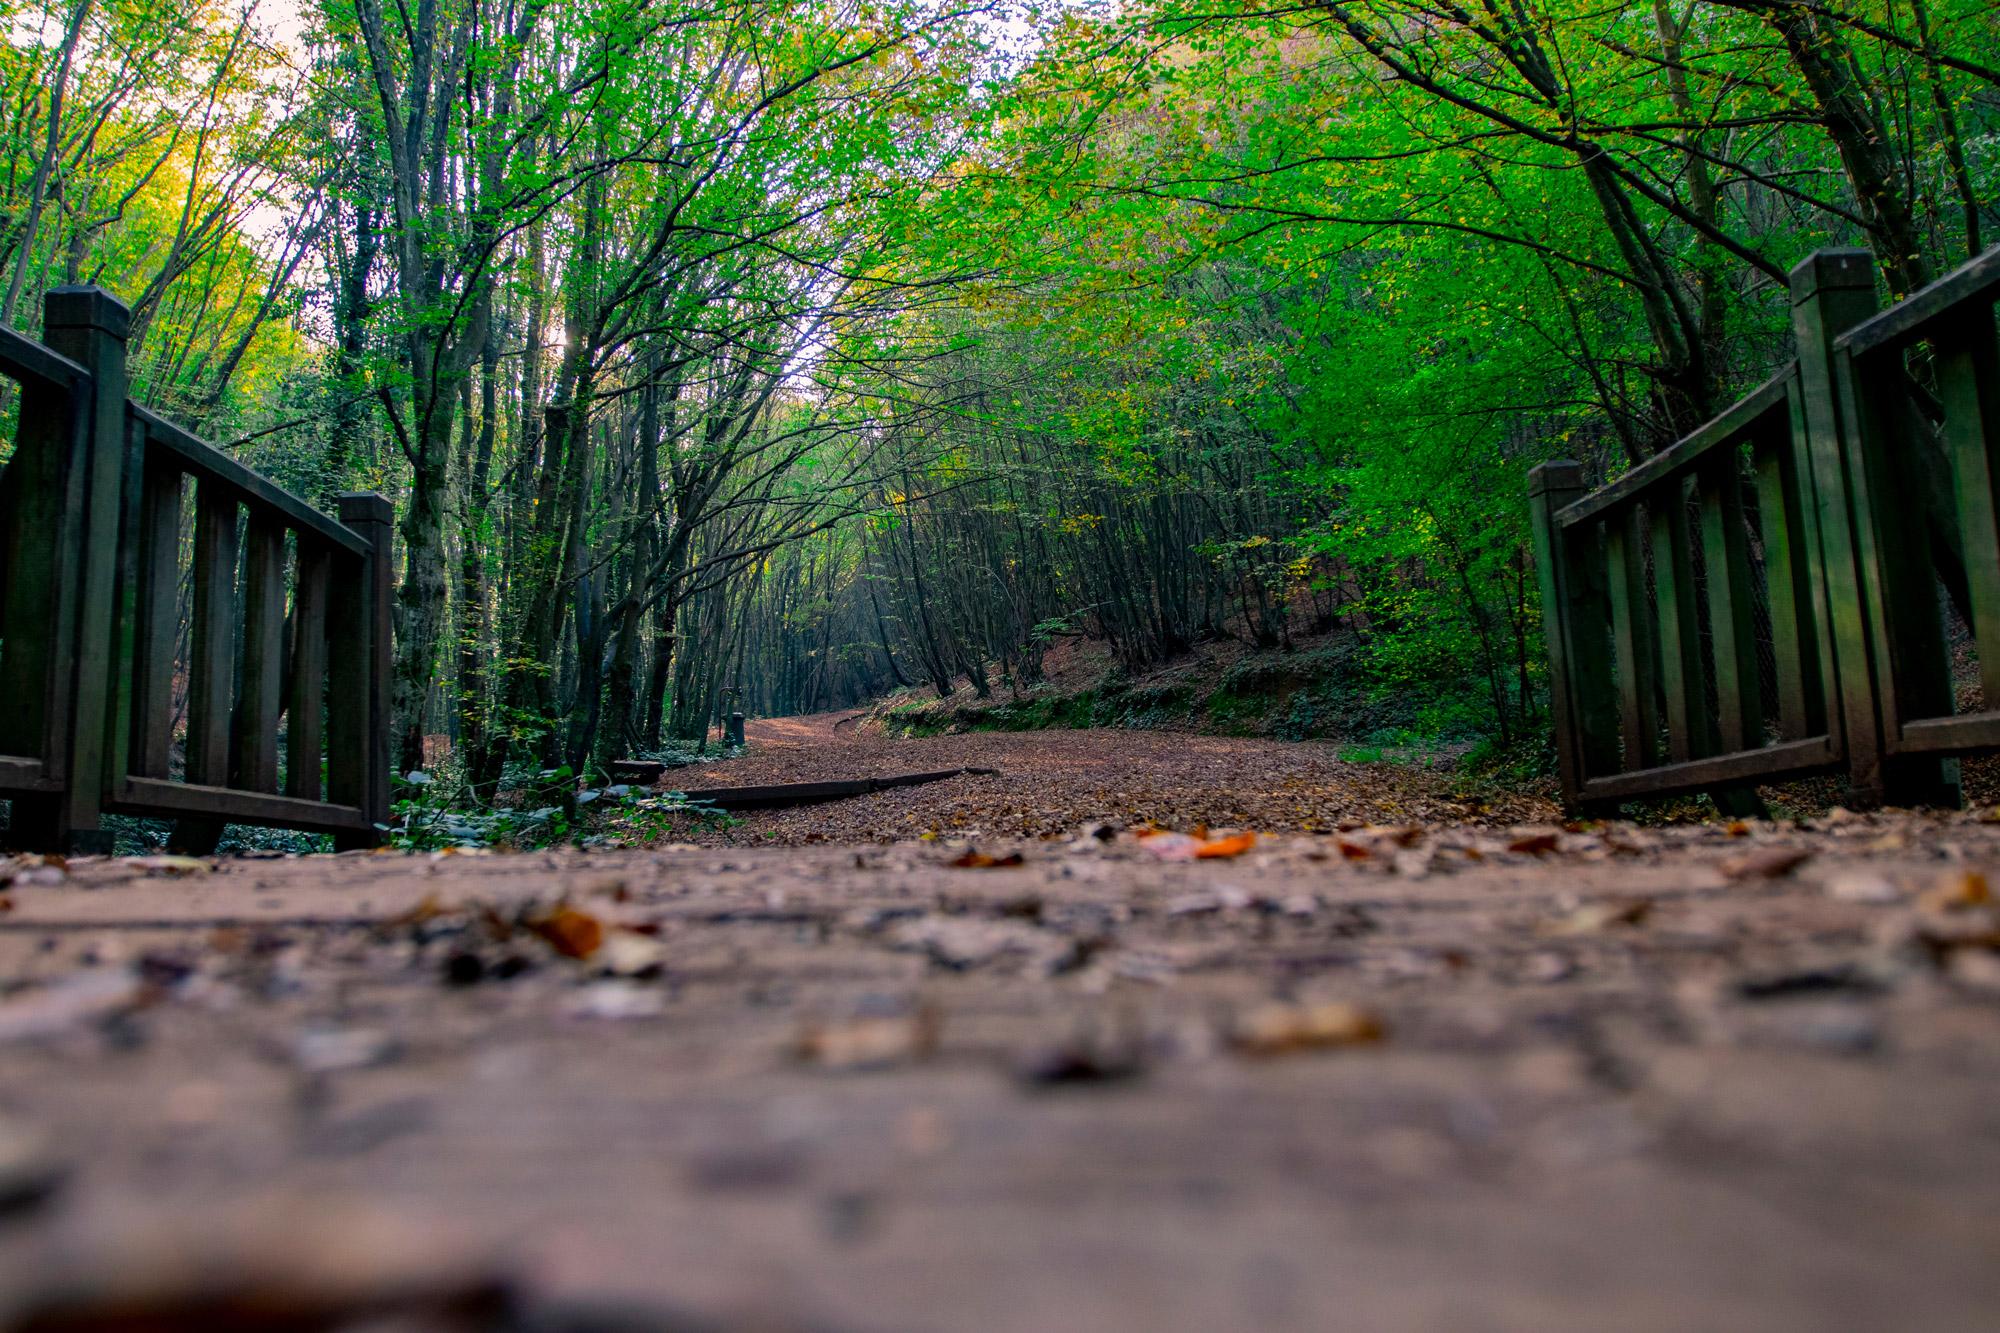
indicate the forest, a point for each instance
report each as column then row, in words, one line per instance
column 791, row 353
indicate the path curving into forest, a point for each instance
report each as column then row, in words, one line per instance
column 1049, row 783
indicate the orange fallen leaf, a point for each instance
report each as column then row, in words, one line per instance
column 571, row 933
column 1539, row 843
column 1235, row 845
column 1278, row 1029
column 1958, row 889
column 985, row 861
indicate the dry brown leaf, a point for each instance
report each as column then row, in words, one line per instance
column 1280, row 1029
column 1957, row 890
column 571, row 933
column 985, row 861
column 427, row 908
column 1767, row 863
column 171, row 865
column 872, row 1043
column 1539, row 842
column 1593, row 917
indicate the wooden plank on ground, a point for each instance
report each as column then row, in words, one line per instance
column 779, row 795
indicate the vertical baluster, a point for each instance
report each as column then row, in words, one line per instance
column 1725, row 543
column 39, row 535
column 1913, row 667
column 1570, row 567
column 211, row 672
column 1633, row 638
column 306, row 689
column 1801, row 701
column 1968, row 369
column 1688, row 727
column 159, row 621
column 357, row 696
column 256, row 722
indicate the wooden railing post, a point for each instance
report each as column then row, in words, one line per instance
column 1551, row 487
column 1832, row 291
column 90, row 326
column 359, row 661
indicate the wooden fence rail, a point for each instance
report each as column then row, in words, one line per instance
column 1771, row 596
column 286, row 670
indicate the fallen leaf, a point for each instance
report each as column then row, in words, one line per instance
column 627, row 953
column 1279, row 1029
column 1593, row 917
column 616, row 1000
column 1235, row 845
column 1768, row 863
column 1536, row 842
column 867, row 1044
column 1862, row 886
column 171, row 865
column 1172, row 846
column 1957, row 890
column 985, row 861
column 429, row 908
column 571, row 933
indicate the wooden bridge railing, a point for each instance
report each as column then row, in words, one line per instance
column 287, row 633
column 1762, row 599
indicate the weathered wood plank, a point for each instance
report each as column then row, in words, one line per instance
column 158, row 610
column 1725, row 542
column 1552, row 487
column 1634, row 641
column 358, row 723
column 1801, row 702
column 1688, row 727
column 1832, row 291
column 212, row 649
column 89, row 327
column 1968, row 371
column 775, row 796
column 214, row 806
column 1772, row 762
column 258, row 696
column 305, row 691
column 1973, row 283
column 42, row 503
column 1948, row 735
column 1731, row 424
column 1912, row 664
column 204, row 460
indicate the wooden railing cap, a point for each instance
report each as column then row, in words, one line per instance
column 364, row 507
column 86, row 306
column 1832, row 269
column 1558, row 474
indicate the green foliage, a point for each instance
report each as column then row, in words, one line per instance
column 431, row 816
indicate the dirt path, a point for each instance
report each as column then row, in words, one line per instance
column 1443, row 1078
column 1052, row 782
